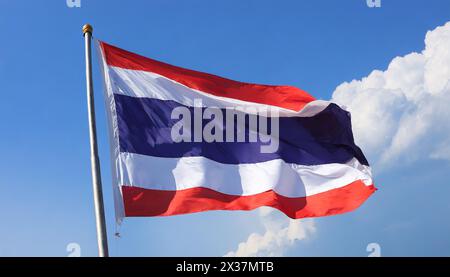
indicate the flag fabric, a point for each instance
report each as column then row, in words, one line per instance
column 184, row 141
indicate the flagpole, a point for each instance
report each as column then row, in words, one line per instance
column 95, row 162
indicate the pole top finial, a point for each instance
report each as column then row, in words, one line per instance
column 87, row 28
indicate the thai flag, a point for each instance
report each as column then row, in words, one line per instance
column 184, row 141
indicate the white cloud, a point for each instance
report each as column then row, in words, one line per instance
column 280, row 234
column 403, row 113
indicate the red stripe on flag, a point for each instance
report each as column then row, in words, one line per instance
column 147, row 202
column 287, row 97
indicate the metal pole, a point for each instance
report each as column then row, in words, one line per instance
column 95, row 163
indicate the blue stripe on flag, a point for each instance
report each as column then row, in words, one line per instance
column 145, row 128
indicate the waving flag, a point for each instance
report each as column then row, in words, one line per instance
column 184, row 141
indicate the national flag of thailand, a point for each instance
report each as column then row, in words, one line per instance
column 184, row 141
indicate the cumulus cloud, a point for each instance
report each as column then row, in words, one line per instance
column 403, row 113
column 280, row 234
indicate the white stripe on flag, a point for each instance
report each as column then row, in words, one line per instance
column 290, row 180
column 143, row 84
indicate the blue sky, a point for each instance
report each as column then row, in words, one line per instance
column 45, row 188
